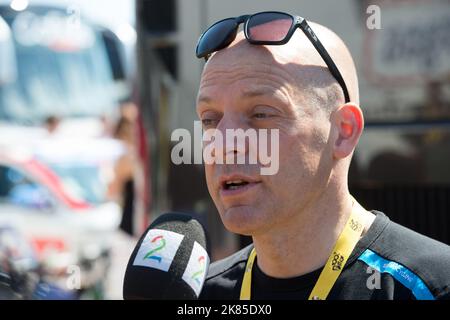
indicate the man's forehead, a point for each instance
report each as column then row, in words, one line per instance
column 281, row 65
column 246, row 79
column 242, row 60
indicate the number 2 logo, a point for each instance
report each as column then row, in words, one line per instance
column 151, row 254
column 197, row 274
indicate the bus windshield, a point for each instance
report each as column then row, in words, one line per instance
column 62, row 70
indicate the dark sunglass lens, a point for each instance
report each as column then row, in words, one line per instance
column 217, row 37
column 269, row 26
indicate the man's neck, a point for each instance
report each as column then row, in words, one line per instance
column 304, row 245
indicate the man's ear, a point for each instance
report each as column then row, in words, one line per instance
column 349, row 123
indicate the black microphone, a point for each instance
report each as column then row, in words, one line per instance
column 170, row 260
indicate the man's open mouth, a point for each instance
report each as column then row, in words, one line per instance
column 234, row 184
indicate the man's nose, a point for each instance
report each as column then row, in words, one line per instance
column 233, row 128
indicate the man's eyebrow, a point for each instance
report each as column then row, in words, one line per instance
column 204, row 99
column 245, row 94
column 271, row 92
column 257, row 92
column 249, row 93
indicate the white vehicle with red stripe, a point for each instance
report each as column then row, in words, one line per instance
column 70, row 232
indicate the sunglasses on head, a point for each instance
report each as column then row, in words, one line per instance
column 264, row 28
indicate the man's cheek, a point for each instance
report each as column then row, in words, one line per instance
column 209, row 174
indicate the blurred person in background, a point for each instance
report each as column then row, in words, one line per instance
column 123, row 186
column 124, row 189
column 51, row 123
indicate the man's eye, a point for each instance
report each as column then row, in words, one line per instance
column 260, row 115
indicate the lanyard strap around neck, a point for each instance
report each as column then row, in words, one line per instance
column 333, row 267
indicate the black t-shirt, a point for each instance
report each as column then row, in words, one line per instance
column 389, row 262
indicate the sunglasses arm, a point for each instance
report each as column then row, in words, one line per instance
column 325, row 56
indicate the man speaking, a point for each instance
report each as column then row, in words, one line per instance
column 311, row 238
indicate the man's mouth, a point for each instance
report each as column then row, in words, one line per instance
column 236, row 184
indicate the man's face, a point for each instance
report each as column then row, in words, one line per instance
column 252, row 89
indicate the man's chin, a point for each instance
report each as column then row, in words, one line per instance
column 243, row 220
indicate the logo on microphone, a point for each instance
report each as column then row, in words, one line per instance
column 195, row 272
column 151, row 253
column 158, row 249
column 198, row 275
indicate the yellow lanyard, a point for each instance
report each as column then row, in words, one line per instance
column 332, row 269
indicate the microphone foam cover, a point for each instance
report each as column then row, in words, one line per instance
column 169, row 261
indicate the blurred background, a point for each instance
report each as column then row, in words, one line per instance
column 90, row 92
